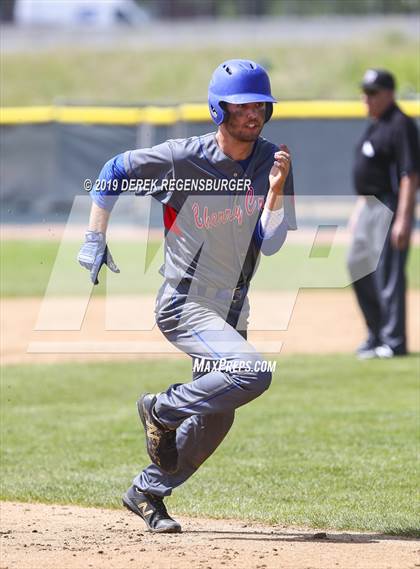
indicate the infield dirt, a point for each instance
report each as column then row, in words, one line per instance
column 38, row 536
column 320, row 323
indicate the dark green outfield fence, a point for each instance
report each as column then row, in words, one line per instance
column 47, row 152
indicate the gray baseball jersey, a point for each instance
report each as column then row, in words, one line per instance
column 212, row 234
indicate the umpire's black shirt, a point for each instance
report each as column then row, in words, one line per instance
column 387, row 151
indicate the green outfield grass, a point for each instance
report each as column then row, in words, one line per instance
column 127, row 76
column 28, row 265
column 320, row 448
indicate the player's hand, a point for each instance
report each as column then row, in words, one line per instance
column 400, row 234
column 95, row 253
column 280, row 169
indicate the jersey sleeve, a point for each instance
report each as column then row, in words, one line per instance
column 406, row 148
column 149, row 166
column 108, row 185
column 152, row 166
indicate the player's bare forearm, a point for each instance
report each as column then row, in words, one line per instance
column 401, row 228
column 277, row 178
column 98, row 220
column 274, row 201
column 407, row 197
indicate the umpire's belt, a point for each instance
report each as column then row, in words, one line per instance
column 187, row 286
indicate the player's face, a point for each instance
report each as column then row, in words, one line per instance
column 245, row 121
column 378, row 102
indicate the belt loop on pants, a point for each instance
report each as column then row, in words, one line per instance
column 236, row 294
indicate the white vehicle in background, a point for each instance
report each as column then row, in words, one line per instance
column 96, row 13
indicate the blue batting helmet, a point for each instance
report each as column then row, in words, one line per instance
column 239, row 81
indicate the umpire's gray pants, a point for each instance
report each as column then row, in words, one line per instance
column 381, row 292
column 203, row 409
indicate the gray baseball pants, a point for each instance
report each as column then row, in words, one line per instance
column 210, row 329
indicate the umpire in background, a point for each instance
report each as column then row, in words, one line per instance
column 386, row 165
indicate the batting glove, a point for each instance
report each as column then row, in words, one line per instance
column 95, row 253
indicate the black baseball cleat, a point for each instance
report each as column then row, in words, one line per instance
column 151, row 509
column 160, row 441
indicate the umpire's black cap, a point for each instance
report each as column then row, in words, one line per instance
column 375, row 80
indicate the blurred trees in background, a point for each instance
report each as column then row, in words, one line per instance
column 173, row 9
column 7, row 8
column 228, row 8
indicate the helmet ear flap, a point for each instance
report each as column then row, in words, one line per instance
column 213, row 111
column 216, row 110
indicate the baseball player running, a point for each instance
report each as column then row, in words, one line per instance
column 213, row 241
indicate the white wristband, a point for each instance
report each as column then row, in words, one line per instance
column 271, row 220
